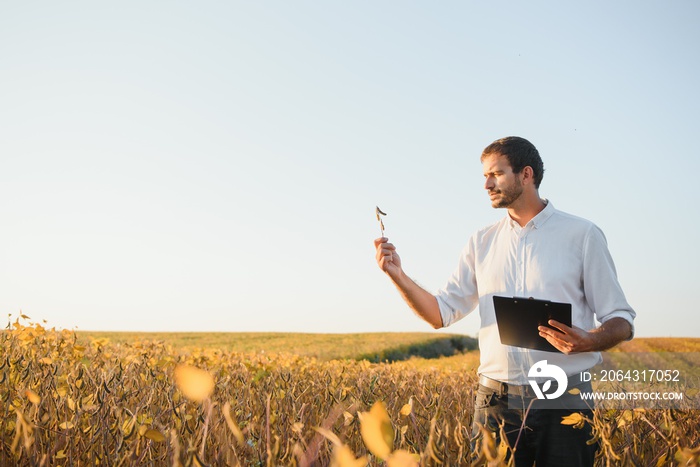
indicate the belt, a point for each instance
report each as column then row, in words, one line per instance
column 518, row 389
column 505, row 388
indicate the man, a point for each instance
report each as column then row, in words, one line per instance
column 535, row 251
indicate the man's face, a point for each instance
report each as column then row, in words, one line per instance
column 504, row 187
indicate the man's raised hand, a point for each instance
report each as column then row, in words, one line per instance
column 387, row 257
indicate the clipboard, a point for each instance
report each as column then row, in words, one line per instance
column 519, row 317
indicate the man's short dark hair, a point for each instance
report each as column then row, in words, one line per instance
column 520, row 154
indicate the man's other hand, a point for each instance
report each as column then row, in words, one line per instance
column 573, row 339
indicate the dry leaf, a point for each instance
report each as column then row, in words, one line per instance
column 237, row 433
column 343, row 457
column 128, row 426
column 154, row 435
column 575, row 419
column 402, row 458
column 196, row 384
column 407, row 408
column 32, row 396
column 376, row 430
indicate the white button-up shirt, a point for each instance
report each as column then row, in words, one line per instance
column 557, row 257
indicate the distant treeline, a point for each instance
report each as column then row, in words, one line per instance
column 433, row 348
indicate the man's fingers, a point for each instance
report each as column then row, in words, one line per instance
column 555, row 338
column 384, row 248
column 385, row 253
column 387, row 258
column 380, row 240
column 565, row 338
column 545, row 331
column 561, row 326
column 563, row 346
column 550, row 333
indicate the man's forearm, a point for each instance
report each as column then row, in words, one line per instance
column 422, row 302
column 611, row 333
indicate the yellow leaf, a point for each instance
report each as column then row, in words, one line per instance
column 574, row 391
column 575, row 419
column 196, row 384
column 154, row 435
column 46, row 360
column 571, row 419
column 60, row 454
column 32, row 396
column 237, row 433
column 376, row 430
column 401, row 458
column 66, row 425
column 625, row 418
column 343, row 457
column 128, row 426
column 407, row 408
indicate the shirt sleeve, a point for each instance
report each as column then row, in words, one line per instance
column 600, row 283
column 459, row 296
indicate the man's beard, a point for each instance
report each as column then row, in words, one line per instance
column 508, row 195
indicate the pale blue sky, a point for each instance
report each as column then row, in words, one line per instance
column 214, row 166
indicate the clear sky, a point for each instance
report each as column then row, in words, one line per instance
column 214, row 166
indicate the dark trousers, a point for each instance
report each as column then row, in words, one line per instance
column 542, row 439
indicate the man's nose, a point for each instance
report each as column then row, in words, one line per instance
column 488, row 184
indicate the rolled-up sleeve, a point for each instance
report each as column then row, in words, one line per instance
column 600, row 282
column 459, row 296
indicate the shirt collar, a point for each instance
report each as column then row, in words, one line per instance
column 543, row 215
column 538, row 220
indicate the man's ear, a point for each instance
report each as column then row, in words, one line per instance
column 528, row 174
